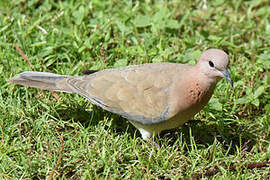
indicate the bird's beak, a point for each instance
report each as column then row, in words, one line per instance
column 226, row 74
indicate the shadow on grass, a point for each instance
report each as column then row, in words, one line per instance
column 92, row 118
column 232, row 136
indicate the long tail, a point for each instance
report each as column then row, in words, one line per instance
column 43, row 80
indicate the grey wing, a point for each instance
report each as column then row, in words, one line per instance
column 137, row 94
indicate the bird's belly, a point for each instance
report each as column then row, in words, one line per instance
column 171, row 123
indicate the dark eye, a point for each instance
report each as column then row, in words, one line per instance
column 211, row 64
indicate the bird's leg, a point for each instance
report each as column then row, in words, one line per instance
column 148, row 137
column 153, row 143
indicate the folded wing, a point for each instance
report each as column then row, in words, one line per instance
column 138, row 93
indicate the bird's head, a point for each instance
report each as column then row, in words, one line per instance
column 214, row 64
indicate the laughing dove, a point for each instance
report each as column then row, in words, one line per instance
column 153, row 97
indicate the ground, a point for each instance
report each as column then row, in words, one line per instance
column 62, row 136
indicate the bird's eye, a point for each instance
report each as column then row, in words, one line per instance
column 211, row 64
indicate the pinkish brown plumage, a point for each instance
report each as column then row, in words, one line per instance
column 153, row 97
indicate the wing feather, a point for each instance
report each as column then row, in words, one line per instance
column 140, row 93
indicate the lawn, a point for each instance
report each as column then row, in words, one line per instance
column 47, row 135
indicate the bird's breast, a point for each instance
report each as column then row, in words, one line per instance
column 192, row 97
column 197, row 96
column 195, row 93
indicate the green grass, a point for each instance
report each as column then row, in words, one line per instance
column 232, row 130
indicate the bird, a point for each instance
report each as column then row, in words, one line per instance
column 153, row 97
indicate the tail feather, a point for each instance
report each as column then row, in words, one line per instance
column 42, row 80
